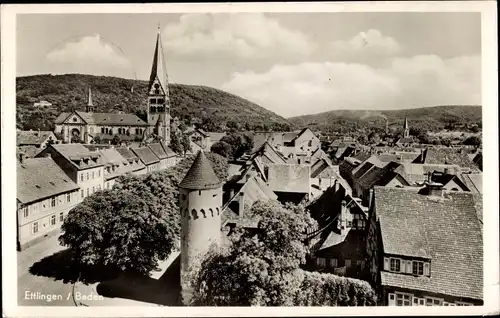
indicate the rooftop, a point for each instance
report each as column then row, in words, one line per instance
column 289, row 178
column 35, row 138
column 414, row 225
column 201, row 175
column 104, row 119
column 40, row 178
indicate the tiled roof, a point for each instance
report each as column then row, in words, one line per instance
column 473, row 181
column 444, row 155
column 254, row 190
column 111, row 157
column 159, row 67
column 158, row 150
column 289, row 178
column 62, row 117
column 168, row 151
column 77, row 154
column 445, row 230
column 408, row 140
column 111, row 119
column 417, row 173
column 126, row 153
column 35, row 138
column 146, row 155
column 201, row 175
column 366, row 165
column 39, row 178
column 266, row 150
column 29, row 151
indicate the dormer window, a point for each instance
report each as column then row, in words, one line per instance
column 418, row 268
column 395, row 265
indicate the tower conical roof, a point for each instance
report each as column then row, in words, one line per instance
column 405, row 126
column 159, row 66
column 201, row 175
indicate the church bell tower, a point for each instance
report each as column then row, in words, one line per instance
column 158, row 111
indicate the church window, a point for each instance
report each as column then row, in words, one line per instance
column 217, row 209
column 75, row 120
column 195, row 214
column 137, row 131
column 203, row 212
column 152, row 100
column 102, row 130
column 211, row 212
column 161, row 101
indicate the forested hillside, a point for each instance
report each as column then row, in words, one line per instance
column 212, row 107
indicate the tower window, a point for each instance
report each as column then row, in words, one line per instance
column 195, row 214
column 211, row 212
column 152, row 100
column 161, row 100
column 203, row 212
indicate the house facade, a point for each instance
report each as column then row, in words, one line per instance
column 409, row 261
column 45, row 195
column 82, row 166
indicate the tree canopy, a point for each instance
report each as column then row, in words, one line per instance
column 119, row 228
column 262, row 268
column 233, row 145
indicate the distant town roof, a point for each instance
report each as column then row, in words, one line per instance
column 40, row 178
column 201, row 175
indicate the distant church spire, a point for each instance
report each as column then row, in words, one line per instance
column 406, row 129
column 90, row 105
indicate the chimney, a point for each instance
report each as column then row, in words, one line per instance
column 241, row 203
column 435, row 189
column 445, row 171
column 343, row 221
column 21, row 157
column 370, row 199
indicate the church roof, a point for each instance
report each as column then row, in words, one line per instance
column 159, row 67
column 104, row 119
column 201, row 175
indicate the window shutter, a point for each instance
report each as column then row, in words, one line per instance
column 403, row 266
column 426, row 269
column 392, row 299
column 386, row 264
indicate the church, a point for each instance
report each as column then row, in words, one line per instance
column 89, row 126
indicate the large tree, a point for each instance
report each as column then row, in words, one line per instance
column 262, row 268
column 233, row 145
column 121, row 229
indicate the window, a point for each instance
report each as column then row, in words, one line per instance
column 347, row 263
column 81, row 177
column 25, row 211
column 35, row 227
column 433, row 301
column 98, row 173
column 161, row 101
column 83, row 194
column 349, row 223
column 395, row 265
column 87, row 191
column 310, row 143
column 53, row 220
column 53, row 202
column 321, row 262
column 93, row 174
column 418, row 268
column 68, row 197
column 74, row 119
column 91, row 130
column 61, row 217
column 87, row 175
column 102, row 130
column 403, row 300
column 333, row 262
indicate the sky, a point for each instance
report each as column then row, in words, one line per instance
column 289, row 63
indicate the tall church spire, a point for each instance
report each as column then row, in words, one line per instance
column 406, row 129
column 90, row 105
column 158, row 111
column 159, row 67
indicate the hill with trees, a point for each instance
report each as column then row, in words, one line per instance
column 213, row 108
column 437, row 118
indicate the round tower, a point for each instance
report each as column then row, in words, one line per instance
column 200, row 196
